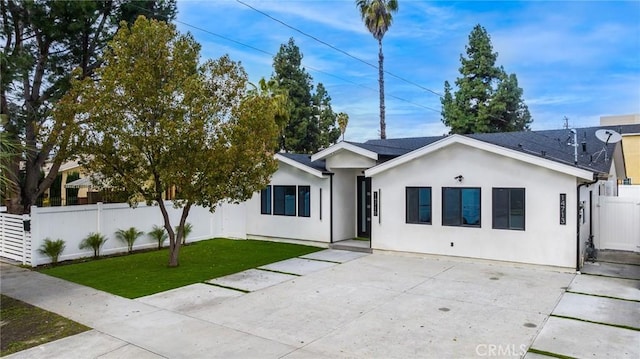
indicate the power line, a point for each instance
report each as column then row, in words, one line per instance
column 337, row 49
column 271, row 54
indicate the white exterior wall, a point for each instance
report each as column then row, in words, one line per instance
column 311, row 228
column 344, row 203
column 346, row 159
column 74, row 223
column 544, row 241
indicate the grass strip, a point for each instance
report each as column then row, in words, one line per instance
column 146, row 273
column 594, row 322
column 25, row 326
column 550, row 354
column 603, row 296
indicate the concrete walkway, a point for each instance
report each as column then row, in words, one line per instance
column 369, row 306
column 599, row 316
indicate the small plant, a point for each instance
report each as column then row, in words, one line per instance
column 93, row 241
column 187, row 230
column 129, row 236
column 159, row 234
column 52, row 249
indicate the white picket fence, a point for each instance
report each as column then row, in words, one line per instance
column 15, row 242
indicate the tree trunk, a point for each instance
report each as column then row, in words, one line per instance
column 383, row 124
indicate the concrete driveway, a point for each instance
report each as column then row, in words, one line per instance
column 375, row 306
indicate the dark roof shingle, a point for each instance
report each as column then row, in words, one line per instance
column 554, row 145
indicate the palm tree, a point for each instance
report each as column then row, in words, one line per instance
column 129, row 236
column 377, row 17
column 93, row 241
column 343, row 121
column 159, row 234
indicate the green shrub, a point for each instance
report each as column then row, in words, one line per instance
column 129, row 236
column 52, row 249
column 159, row 234
column 93, row 241
column 188, row 227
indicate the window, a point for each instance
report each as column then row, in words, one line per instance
column 265, row 201
column 418, row 205
column 284, row 200
column 461, row 207
column 508, row 208
column 304, row 201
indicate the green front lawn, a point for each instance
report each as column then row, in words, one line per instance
column 145, row 273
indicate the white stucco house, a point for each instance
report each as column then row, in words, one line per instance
column 521, row 197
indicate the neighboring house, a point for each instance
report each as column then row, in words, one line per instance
column 631, row 144
column 523, row 197
column 68, row 172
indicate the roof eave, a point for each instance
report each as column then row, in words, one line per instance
column 300, row 166
column 447, row 141
column 344, row 146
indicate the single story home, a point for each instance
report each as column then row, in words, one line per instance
column 523, row 197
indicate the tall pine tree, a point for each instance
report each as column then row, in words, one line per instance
column 43, row 41
column 488, row 99
column 327, row 119
column 311, row 122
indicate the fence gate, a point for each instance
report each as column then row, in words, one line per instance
column 15, row 242
column 619, row 223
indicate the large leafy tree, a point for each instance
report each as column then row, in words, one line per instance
column 42, row 41
column 488, row 99
column 311, row 123
column 157, row 118
column 377, row 16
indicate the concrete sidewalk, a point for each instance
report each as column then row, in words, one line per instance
column 374, row 306
column 599, row 316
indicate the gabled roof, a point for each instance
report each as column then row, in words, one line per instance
column 344, row 146
column 303, row 162
column 404, row 145
column 549, row 145
column 554, row 145
column 485, row 146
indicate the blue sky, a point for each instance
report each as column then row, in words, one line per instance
column 576, row 59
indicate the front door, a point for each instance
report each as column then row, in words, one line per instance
column 364, row 207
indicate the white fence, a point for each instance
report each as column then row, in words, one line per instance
column 619, row 220
column 73, row 223
column 15, row 242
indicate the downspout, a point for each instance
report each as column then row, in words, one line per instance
column 578, row 219
column 331, row 207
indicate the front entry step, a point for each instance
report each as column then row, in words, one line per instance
column 352, row 245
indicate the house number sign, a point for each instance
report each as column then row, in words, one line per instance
column 563, row 208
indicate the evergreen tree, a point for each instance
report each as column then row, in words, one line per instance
column 327, row 119
column 311, row 122
column 42, row 42
column 487, row 99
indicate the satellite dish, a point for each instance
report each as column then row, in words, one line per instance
column 608, row 136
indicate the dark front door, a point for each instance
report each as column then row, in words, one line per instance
column 364, row 207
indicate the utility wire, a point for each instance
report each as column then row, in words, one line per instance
column 309, row 67
column 337, row 49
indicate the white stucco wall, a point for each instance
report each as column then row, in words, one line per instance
column 313, row 228
column 346, row 159
column 544, row 241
